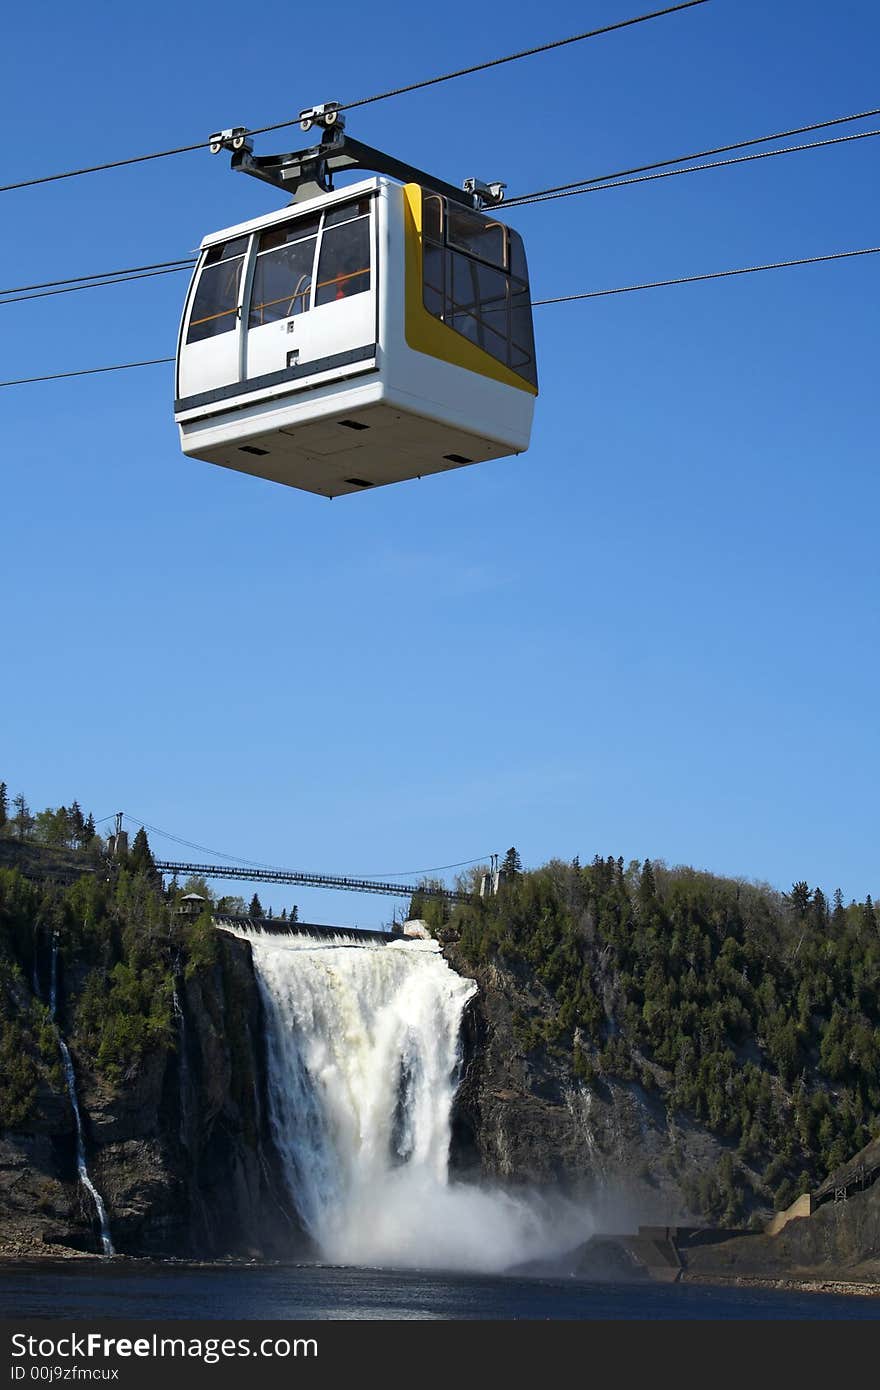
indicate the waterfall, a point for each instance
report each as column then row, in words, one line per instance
column 363, row 1063
column 70, row 1078
column 183, row 1064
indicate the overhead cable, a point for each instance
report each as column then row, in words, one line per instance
column 19, row 293
column 593, row 187
column 97, row 284
column 536, row 303
column 88, row 371
column 713, row 275
column 366, row 101
column 97, row 275
column 696, row 154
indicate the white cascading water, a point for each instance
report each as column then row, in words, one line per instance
column 363, row 1058
column 70, row 1078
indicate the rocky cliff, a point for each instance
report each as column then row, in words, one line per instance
column 178, row 1144
column 522, row 1116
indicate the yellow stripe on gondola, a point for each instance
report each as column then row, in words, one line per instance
column 427, row 334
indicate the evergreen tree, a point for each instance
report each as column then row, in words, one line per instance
column 4, row 805
column 294, row 913
column 512, row 864
column 838, row 916
column 22, row 821
column 256, row 907
column 140, row 856
column 88, row 831
column 647, row 883
column 799, row 897
column 77, row 824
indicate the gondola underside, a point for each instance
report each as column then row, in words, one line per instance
column 362, row 449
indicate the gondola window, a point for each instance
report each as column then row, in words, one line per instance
column 215, row 305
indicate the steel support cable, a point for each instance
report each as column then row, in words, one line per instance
column 96, row 284
column 536, row 303
column 88, row 371
column 99, row 275
column 15, row 294
column 367, row 101
column 713, row 275
column 573, row 192
column 696, row 154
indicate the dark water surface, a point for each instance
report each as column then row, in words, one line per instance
column 128, row 1290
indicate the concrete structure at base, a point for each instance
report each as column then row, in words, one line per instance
column 658, row 1253
column 801, row 1206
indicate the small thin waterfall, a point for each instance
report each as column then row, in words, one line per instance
column 81, row 1166
column 70, row 1077
column 363, row 1063
column 183, row 1067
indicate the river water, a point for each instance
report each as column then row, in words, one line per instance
column 129, row 1289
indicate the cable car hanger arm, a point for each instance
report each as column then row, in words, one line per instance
column 309, row 172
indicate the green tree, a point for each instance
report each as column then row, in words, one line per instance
column 140, row 856
column 4, row 805
column 511, row 866
column 256, row 907
column 22, row 821
column 77, row 823
column 52, row 826
column 647, row 883
column 799, row 897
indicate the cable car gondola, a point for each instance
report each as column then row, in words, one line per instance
column 360, row 336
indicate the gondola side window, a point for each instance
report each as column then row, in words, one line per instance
column 215, row 303
column 475, row 281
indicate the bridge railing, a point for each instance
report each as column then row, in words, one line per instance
column 243, row 874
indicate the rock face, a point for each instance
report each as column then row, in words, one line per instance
column 523, row 1118
column 180, row 1150
column 840, row 1238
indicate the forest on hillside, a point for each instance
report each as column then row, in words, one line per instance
column 118, row 940
column 756, row 1013
column 751, row 1012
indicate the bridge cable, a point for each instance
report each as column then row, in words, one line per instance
column 275, row 868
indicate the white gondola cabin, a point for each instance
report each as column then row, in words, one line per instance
column 364, row 336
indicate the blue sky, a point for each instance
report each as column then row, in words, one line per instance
column 653, row 634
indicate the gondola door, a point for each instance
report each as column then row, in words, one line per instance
column 312, row 300
column 281, row 297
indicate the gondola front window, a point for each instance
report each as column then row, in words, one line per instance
column 215, row 304
column 284, row 271
column 475, row 280
column 344, row 267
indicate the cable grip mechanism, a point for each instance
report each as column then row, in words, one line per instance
column 485, row 194
column 327, row 115
column 233, row 139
